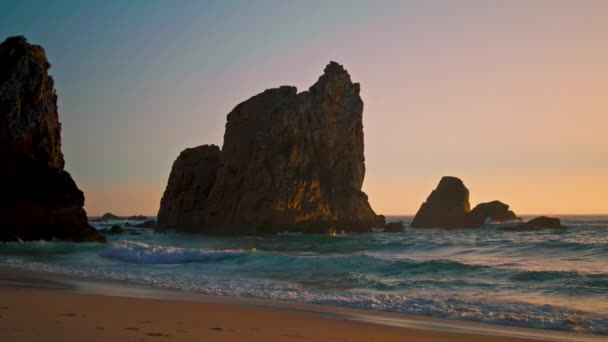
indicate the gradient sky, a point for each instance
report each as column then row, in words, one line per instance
column 510, row 96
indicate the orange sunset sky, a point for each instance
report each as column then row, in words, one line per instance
column 512, row 96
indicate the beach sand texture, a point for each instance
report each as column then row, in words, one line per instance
column 45, row 315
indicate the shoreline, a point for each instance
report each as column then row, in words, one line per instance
column 18, row 286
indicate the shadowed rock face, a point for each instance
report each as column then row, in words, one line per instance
column 542, row 222
column 394, row 227
column 446, row 207
column 291, row 161
column 184, row 203
column 39, row 200
column 495, row 211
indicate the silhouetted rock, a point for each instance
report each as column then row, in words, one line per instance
column 39, row 199
column 137, row 218
column 290, row 161
column 106, row 217
column 394, row 227
column 494, row 211
column 446, row 207
column 184, row 203
column 146, row 224
column 110, row 216
column 380, row 221
column 542, row 222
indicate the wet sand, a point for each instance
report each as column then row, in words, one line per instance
column 35, row 307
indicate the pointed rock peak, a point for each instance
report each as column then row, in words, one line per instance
column 334, row 77
column 334, row 68
column 450, row 181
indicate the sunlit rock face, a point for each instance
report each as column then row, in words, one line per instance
column 38, row 200
column 448, row 207
column 293, row 161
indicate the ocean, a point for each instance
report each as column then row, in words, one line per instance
column 549, row 279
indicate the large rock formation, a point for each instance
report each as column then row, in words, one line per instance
column 39, row 200
column 184, row 203
column 290, row 161
column 448, row 207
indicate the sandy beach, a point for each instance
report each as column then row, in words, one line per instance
column 37, row 306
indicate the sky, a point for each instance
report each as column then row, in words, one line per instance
column 509, row 96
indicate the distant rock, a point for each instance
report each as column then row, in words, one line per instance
column 106, row 217
column 146, row 224
column 494, row 211
column 395, row 227
column 110, row 216
column 290, row 161
column 39, row 200
column 137, row 218
column 446, row 207
column 193, row 175
column 542, row 222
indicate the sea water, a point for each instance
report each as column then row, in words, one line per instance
column 549, row 279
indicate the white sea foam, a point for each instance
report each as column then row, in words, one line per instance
column 143, row 253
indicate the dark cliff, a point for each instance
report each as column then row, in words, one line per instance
column 39, row 200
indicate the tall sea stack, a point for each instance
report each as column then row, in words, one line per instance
column 39, row 199
column 290, row 161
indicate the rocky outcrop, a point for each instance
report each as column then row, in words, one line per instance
column 446, row 207
column 184, row 203
column 106, row 217
column 494, row 211
column 542, row 222
column 137, row 218
column 394, row 227
column 290, row 161
column 39, row 199
column 111, row 217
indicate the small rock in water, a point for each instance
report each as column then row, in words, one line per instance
column 395, row 227
column 542, row 222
